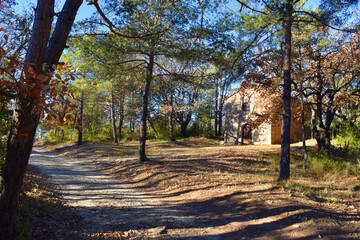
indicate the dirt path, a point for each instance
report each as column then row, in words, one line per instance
column 240, row 211
column 105, row 204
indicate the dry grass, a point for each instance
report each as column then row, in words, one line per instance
column 235, row 184
column 192, row 164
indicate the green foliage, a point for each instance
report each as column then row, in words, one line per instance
column 129, row 136
column 275, row 161
column 321, row 164
column 349, row 138
column 5, row 120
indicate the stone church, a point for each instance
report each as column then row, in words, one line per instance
column 253, row 115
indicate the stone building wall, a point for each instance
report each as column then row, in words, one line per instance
column 269, row 131
column 237, row 117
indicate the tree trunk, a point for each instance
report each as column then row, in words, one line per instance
column 171, row 118
column 113, row 119
column 62, row 138
column 221, row 107
column 184, row 124
column 303, row 135
column 121, row 114
column 144, row 110
column 153, row 127
column 217, row 109
column 19, row 147
column 24, row 123
column 79, row 142
column 132, row 125
column 183, row 127
column 284, row 172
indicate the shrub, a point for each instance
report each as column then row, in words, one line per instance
column 321, row 163
column 349, row 138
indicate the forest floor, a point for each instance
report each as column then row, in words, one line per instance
column 194, row 189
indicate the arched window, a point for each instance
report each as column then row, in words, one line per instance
column 245, row 107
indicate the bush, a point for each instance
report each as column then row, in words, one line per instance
column 349, row 138
column 320, row 164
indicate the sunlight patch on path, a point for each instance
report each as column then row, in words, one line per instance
column 103, row 202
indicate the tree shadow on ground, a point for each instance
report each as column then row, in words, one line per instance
column 257, row 210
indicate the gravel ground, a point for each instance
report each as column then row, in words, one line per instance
column 105, row 204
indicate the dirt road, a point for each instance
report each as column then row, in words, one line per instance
column 105, row 204
column 241, row 211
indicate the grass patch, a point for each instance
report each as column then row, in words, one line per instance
column 325, row 164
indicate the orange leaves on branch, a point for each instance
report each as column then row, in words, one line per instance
column 48, row 94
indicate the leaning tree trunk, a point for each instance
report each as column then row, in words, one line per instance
column 284, row 172
column 113, row 119
column 153, row 127
column 80, row 136
column 144, row 110
column 41, row 52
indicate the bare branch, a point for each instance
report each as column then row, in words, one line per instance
column 252, row 9
column 317, row 18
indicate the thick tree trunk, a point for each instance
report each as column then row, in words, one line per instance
column 144, row 110
column 321, row 133
column 284, row 172
column 183, row 127
column 113, row 119
column 79, row 141
column 183, row 123
column 24, row 121
column 19, row 147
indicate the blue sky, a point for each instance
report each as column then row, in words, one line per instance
column 86, row 10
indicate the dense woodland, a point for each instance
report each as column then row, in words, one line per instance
column 141, row 70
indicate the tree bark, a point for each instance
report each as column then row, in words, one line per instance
column 113, row 119
column 221, row 108
column 24, row 123
column 132, row 125
column 153, row 127
column 121, row 114
column 144, row 110
column 171, row 118
column 303, row 134
column 217, row 109
column 284, row 172
column 79, row 142
column 184, row 124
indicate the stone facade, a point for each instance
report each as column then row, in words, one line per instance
column 248, row 114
